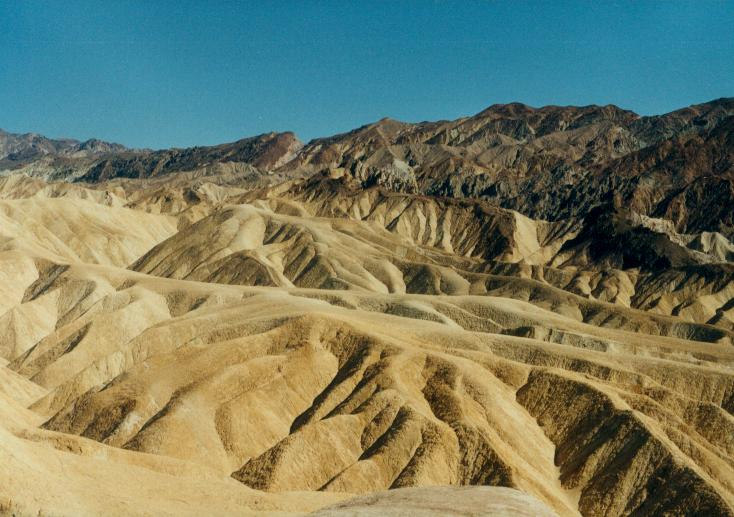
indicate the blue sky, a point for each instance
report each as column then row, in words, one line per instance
column 160, row 74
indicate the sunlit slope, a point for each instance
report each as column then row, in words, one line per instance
column 204, row 350
column 78, row 230
column 49, row 473
column 349, row 392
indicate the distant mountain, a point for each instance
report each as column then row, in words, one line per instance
column 266, row 152
column 95, row 160
column 16, row 149
column 553, row 162
column 548, row 163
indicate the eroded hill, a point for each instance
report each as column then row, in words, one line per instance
column 225, row 340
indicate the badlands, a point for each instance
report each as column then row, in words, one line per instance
column 525, row 312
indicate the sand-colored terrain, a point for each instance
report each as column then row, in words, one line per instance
column 192, row 347
column 528, row 311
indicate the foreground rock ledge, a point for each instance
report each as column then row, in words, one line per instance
column 445, row 500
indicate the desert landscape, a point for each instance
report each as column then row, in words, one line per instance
column 529, row 311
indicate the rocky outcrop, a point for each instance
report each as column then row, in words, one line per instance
column 18, row 149
column 553, row 162
column 265, row 152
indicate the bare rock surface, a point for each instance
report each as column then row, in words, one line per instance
column 449, row 501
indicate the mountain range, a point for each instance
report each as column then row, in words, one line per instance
column 548, row 163
column 529, row 311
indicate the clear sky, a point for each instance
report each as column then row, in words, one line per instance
column 181, row 73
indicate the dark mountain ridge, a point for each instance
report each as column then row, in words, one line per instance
column 551, row 163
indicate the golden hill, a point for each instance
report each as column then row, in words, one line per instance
column 190, row 346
